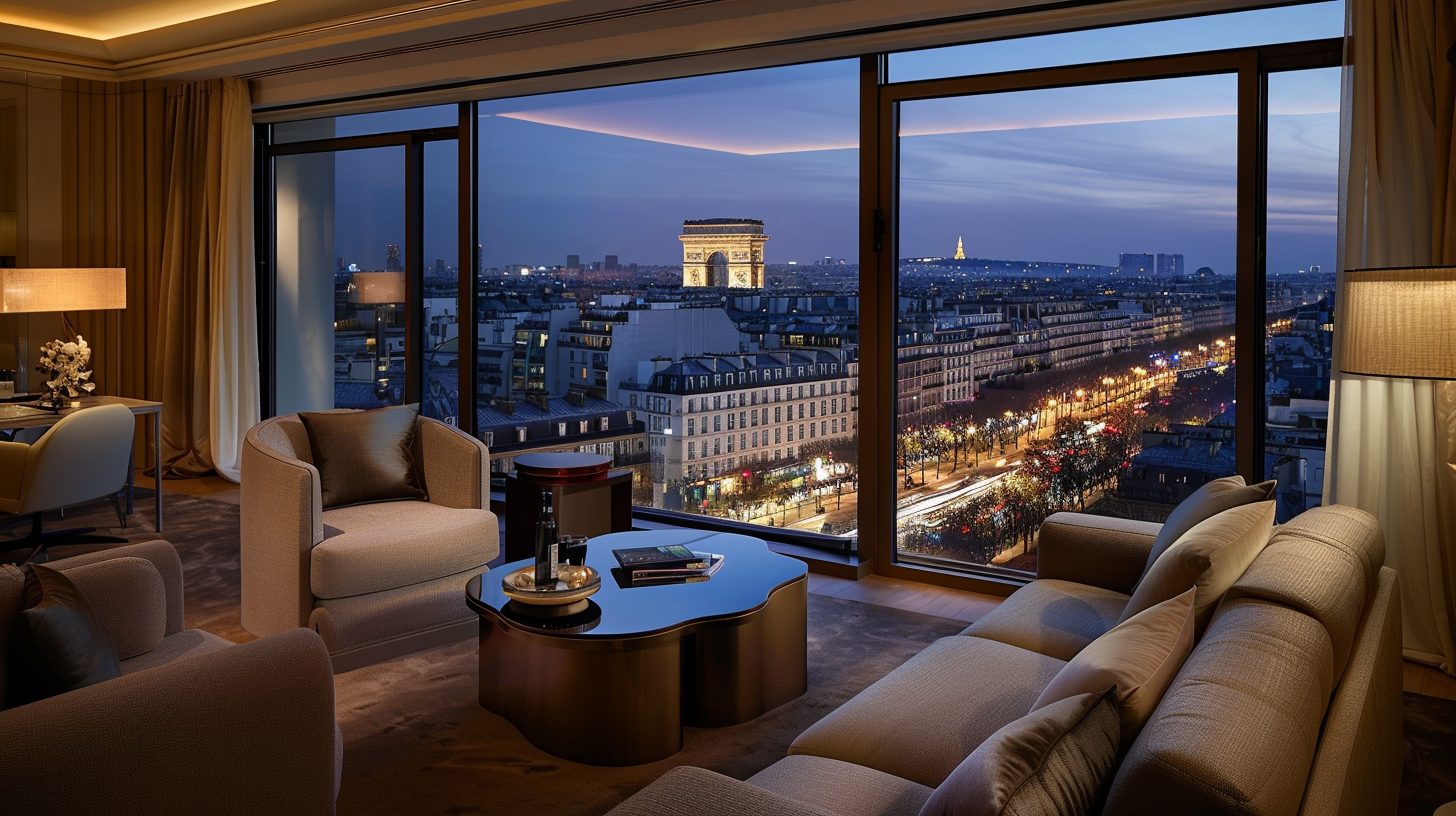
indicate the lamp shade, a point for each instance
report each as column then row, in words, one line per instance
column 378, row 287
column 61, row 290
column 1399, row 322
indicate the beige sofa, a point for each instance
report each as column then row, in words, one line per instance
column 1288, row 704
column 195, row 724
column 378, row 580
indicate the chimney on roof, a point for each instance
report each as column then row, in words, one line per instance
column 539, row 398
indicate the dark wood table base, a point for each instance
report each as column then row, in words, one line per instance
column 623, row 700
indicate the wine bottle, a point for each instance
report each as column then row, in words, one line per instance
column 546, row 543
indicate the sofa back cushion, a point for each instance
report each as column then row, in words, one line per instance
column 1055, row 761
column 364, row 456
column 1138, row 657
column 12, row 594
column 1210, row 557
column 1206, row 502
column 1237, row 729
column 1323, row 563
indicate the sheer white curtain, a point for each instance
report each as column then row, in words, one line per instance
column 1392, row 444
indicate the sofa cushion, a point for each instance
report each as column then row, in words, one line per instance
column 59, row 645
column 176, row 646
column 689, row 791
column 1140, row 656
column 1209, row 558
column 1055, row 761
column 12, row 593
column 1237, row 730
column 374, row 547
column 844, row 789
column 1320, row 563
column 364, row 456
column 1052, row 617
column 920, row 720
column 1204, row 503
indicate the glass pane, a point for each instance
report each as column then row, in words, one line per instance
column 340, row 280
column 362, row 124
column 441, row 319
column 1304, row 166
column 1066, row 290
column 670, row 277
column 1207, row 33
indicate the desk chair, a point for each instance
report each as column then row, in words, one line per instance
column 83, row 457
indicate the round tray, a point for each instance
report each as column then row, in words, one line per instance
column 573, row 586
column 562, row 468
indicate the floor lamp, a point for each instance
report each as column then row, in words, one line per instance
column 23, row 291
column 382, row 290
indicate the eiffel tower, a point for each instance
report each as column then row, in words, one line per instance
column 960, row 249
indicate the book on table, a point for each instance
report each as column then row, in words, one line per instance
column 710, row 562
column 668, row 556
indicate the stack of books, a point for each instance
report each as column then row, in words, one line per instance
column 671, row 564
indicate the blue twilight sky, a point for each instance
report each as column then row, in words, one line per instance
column 1070, row 174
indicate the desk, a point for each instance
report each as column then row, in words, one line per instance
column 43, row 419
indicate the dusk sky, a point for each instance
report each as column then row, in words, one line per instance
column 1074, row 175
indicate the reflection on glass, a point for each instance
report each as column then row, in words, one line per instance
column 1066, row 290
column 1304, row 123
column 668, row 277
column 340, row 280
column 1207, row 33
column 441, row 320
column 362, row 124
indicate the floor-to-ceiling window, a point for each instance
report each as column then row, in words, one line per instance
column 668, row 273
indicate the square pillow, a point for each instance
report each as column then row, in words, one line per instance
column 1209, row 558
column 364, row 456
column 1206, row 502
column 1139, row 656
column 58, row 644
column 1055, row 761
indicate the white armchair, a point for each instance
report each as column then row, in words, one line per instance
column 374, row 580
column 83, row 457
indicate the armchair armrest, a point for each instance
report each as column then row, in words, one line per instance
column 160, row 553
column 282, row 520
column 244, row 730
column 1104, row 552
column 455, row 466
column 688, row 791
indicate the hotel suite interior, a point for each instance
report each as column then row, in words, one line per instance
column 1053, row 398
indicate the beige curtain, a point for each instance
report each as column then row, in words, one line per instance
column 206, row 352
column 1392, row 442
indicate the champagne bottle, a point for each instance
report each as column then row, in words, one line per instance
column 546, row 543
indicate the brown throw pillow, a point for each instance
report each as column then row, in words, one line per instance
column 58, row 644
column 1055, row 761
column 1206, row 502
column 1209, row 558
column 364, row 456
column 1139, row 656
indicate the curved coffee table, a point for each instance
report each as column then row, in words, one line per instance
column 614, row 685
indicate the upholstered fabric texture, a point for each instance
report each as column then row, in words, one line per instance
column 59, row 645
column 1209, row 558
column 1206, row 502
column 845, row 789
column 364, row 456
column 1107, row 553
column 1052, row 617
column 1139, row 656
column 688, row 791
column 1055, row 761
column 917, row 723
column 129, row 599
column 374, row 547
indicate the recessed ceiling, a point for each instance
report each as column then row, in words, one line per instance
column 108, row 19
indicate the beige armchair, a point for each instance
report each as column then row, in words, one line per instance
column 195, row 724
column 83, row 457
column 375, row 580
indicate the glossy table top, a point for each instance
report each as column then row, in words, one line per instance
column 750, row 573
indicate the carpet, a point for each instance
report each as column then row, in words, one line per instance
column 417, row 741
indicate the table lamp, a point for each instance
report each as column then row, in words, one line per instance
column 1399, row 322
column 24, row 291
column 382, row 290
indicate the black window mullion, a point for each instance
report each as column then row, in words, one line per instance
column 468, row 327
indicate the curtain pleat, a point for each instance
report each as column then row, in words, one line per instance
column 207, row 344
column 1393, row 441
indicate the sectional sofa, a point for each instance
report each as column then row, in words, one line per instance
column 1289, row 702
